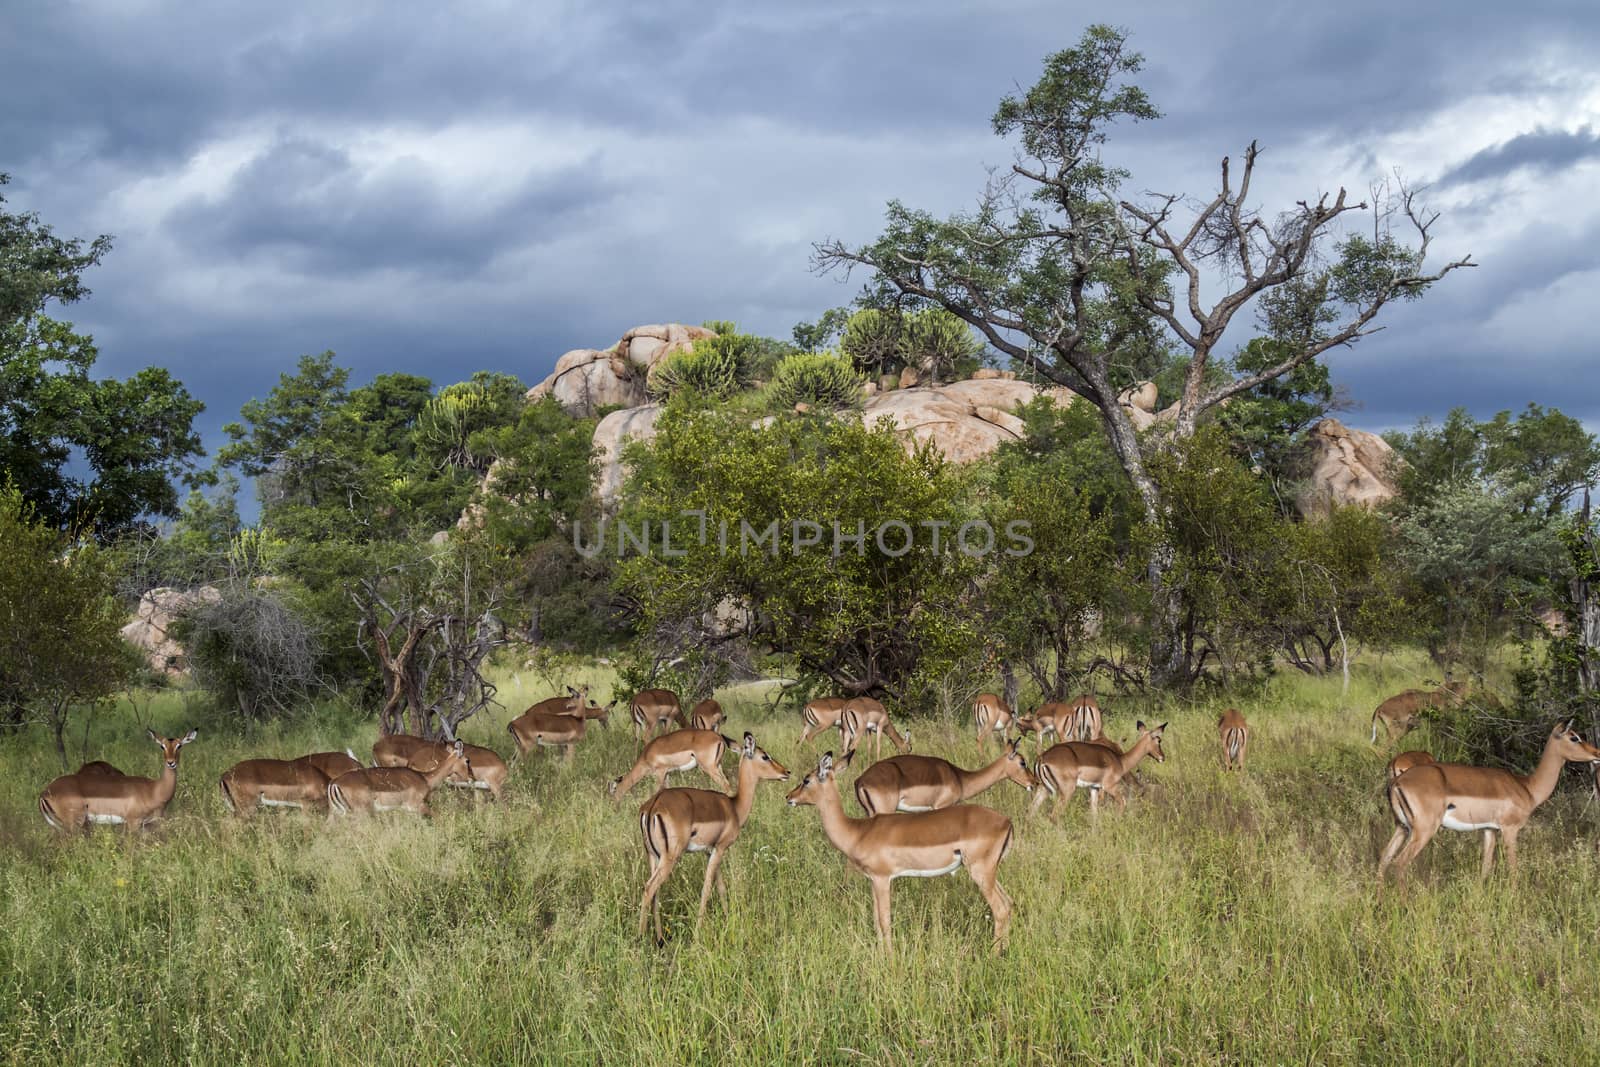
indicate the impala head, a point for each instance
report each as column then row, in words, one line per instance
column 1017, row 767
column 1570, row 744
column 600, row 712
column 812, row 785
column 170, row 746
column 455, row 758
column 765, row 766
column 1154, row 734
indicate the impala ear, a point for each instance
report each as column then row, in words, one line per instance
column 825, row 768
column 152, row 734
column 1139, row 726
column 190, row 736
column 460, row 748
column 1162, row 728
column 749, row 746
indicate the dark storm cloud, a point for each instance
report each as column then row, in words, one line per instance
column 1541, row 151
column 673, row 161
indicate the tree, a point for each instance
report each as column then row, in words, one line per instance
column 1073, row 282
column 816, row 336
column 60, row 643
column 774, row 498
column 135, row 438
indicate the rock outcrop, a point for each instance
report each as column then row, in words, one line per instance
column 967, row 419
column 587, row 379
column 149, row 629
column 610, row 435
column 1346, row 467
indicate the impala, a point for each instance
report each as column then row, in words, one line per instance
column 420, row 754
column 1459, row 796
column 991, row 714
column 1085, row 723
column 274, row 783
column 105, row 795
column 652, row 710
column 99, row 766
column 1053, row 717
column 1234, row 734
column 706, row 715
column 1401, row 713
column 821, row 714
column 682, row 750
column 679, row 820
column 538, row 729
column 1405, row 761
column 927, row 783
column 862, row 716
column 378, row 789
column 333, row 764
column 1071, row 764
column 923, row 845
column 570, row 704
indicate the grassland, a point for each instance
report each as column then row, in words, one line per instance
column 1223, row 919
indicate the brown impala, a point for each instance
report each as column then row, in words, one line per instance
column 928, row 783
column 1458, row 796
column 706, row 715
column 377, row 789
column 992, row 715
column 680, row 820
column 1085, row 723
column 1401, row 713
column 1234, row 733
column 1065, row 767
column 821, row 714
column 924, row 845
column 653, row 710
column 1405, row 761
column 681, row 750
column 107, row 796
column 282, row 783
column 405, row 750
column 536, row 729
column 864, row 715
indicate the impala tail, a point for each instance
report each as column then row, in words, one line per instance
column 49, row 813
column 1235, row 743
column 227, row 794
column 336, row 800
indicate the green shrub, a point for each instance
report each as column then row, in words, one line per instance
column 715, row 367
column 820, row 379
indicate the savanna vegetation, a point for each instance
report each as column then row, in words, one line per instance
column 432, row 558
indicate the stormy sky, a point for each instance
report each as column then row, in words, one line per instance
column 486, row 185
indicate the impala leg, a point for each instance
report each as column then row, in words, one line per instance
column 1244, row 746
column 1510, row 834
column 1121, row 796
column 714, row 772
column 713, row 874
column 1391, row 850
column 722, row 886
column 652, row 890
column 1038, row 800
column 1064, row 791
column 1488, row 855
column 999, row 901
column 880, row 911
column 1094, row 806
column 1420, row 835
column 572, row 752
column 806, row 735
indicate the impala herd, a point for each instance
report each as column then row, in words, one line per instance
column 917, row 822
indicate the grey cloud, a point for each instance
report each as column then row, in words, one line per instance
column 1541, row 151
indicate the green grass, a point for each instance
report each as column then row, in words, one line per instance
column 1223, row 919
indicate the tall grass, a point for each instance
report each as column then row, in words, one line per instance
column 1222, row 918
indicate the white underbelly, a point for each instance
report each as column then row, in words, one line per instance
column 689, row 766
column 268, row 802
column 474, row 784
column 699, row 846
column 954, row 865
column 1451, row 822
column 1087, row 785
column 550, row 742
column 103, row 819
column 915, row 807
column 389, row 807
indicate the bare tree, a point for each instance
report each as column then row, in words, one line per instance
column 1056, row 269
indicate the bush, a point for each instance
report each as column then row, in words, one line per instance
column 251, row 649
column 820, row 379
column 715, row 367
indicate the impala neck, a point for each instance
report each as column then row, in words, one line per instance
column 440, row 772
column 165, row 785
column 1542, row 782
column 841, row 830
column 1138, row 752
column 745, row 798
column 975, row 782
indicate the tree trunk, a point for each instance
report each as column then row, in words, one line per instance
column 1012, row 690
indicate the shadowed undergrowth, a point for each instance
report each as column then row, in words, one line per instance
column 1224, row 918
